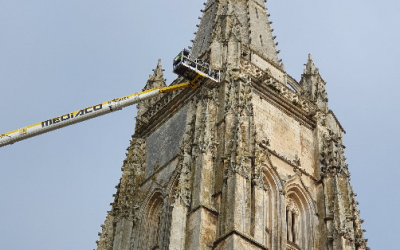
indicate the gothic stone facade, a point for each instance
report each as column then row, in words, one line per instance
column 255, row 163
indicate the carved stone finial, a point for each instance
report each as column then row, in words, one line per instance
column 310, row 67
column 313, row 86
column 157, row 79
column 258, row 176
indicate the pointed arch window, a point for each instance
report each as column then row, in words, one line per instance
column 153, row 223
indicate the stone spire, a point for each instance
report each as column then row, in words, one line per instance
column 155, row 81
column 313, row 86
column 228, row 21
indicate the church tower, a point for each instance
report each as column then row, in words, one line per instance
column 256, row 162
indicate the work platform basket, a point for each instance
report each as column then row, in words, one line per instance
column 195, row 70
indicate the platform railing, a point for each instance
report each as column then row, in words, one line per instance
column 198, row 65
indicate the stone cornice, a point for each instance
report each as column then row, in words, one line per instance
column 266, row 59
column 261, row 70
column 284, row 105
column 260, row 76
column 295, row 167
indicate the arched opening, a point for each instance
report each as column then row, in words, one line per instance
column 299, row 218
column 273, row 208
column 287, row 207
column 153, row 220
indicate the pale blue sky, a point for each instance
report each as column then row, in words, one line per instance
column 58, row 56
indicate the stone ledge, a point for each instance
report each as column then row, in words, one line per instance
column 276, row 65
column 281, row 157
column 241, row 235
column 211, row 210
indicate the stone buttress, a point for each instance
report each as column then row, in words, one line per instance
column 254, row 163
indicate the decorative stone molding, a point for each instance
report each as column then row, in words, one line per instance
column 237, row 166
column 291, row 206
column 332, row 156
column 360, row 241
column 183, row 189
column 296, row 164
column 258, row 176
column 133, row 171
column 279, row 88
column 209, row 101
column 239, row 113
column 292, row 221
column 252, row 69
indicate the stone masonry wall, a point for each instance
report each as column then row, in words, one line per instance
column 286, row 135
column 169, row 137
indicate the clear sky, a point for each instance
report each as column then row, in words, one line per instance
column 58, row 56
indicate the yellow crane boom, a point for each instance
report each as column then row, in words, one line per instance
column 197, row 72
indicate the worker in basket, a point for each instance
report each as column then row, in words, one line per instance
column 179, row 57
column 214, row 74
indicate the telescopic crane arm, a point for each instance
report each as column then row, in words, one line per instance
column 197, row 72
column 84, row 114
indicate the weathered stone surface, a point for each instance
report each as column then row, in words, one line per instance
column 201, row 232
column 178, row 227
column 164, row 143
column 251, row 164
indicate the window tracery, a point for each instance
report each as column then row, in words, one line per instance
column 292, row 221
